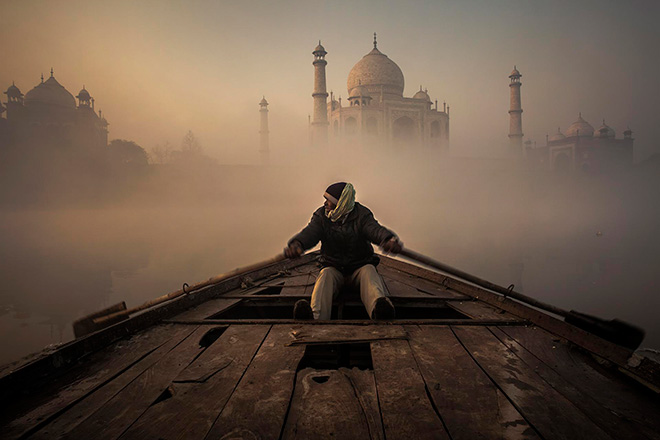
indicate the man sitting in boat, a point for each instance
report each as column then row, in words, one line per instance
column 346, row 230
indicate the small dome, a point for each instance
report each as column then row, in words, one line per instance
column 580, row 128
column 263, row 101
column 422, row 94
column 514, row 72
column 13, row 91
column 559, row 136
column 359, row 92
column 319, row 48
column 605, row 131
column 50, row 92
column 376, row 72
column 84, row 95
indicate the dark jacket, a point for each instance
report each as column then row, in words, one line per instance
column 345, row 244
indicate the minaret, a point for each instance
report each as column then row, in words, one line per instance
column 320, row 121
column 263, row 128
column 515, row 114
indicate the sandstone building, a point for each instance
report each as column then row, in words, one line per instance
column 48, row 116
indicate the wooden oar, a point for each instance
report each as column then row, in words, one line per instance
column 118, row 312
column 615, row 330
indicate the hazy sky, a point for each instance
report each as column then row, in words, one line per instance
column 160, row 68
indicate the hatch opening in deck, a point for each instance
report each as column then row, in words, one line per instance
column 335, row 356
column 348, row 308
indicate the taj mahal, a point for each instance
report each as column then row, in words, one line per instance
column 376, row 110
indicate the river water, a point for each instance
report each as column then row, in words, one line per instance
column 586, row 245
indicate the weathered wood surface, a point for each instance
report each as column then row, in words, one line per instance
column 209, row 308
column 73, row 416
column 405, row 407
column 302, row 334
column 31, row 411
column 49, row 363
column 258, row 406
column 424, row 285
column 624, row 409
column 334, row 404
column 201, row 390
column 479, row 310
column 603, row 348
column 114, row 417
column 471, row 406
column 544, row 408
column 295, row 285
column 300, row 280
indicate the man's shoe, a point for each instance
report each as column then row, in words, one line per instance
column 383, row 309
column 302, row 310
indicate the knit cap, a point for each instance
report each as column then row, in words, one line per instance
column 333, row 192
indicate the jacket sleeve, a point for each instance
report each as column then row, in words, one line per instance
column 374, row 232
column 311, row 234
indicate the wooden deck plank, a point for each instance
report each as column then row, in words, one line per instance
column 334, row 404
column 405, row 407
column 34, row 410
column 601, row 347
column 91, row 403
column 424, row 285
column 471, row 406
column 302, row 334
column 297, row 285
column 479, row 310
column 113, row 418
column 258, row 406
column 545, row 409
column 611, row 400
column 208, row 308
column 399, row 289
column 201, row 390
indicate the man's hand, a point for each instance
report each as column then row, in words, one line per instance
column 294, row 250
column 391, row 246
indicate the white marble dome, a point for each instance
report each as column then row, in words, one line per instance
column 375, row 71
column 422, row 94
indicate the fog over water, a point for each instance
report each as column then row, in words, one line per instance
column 487, row 217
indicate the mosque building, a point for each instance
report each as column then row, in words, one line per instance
column 583, row 149
column 376, row 110
column 48, row 116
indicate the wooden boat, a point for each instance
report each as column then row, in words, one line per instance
column 228, row 362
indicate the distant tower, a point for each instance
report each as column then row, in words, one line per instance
column 515, row 114
column 320, row 122
column 263, row 130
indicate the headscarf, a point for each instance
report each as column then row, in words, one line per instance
column 344, row 205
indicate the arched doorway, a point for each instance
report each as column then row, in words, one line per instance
column 435, row 129
column 403, row 129
column 350, row 126
column 562, row 164
column 372, row 127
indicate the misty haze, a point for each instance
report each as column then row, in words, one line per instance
column 125, row 174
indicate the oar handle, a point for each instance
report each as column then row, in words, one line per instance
column 481, row 282
column 214, row 280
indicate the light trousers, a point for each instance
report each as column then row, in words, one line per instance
column 331, row 280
